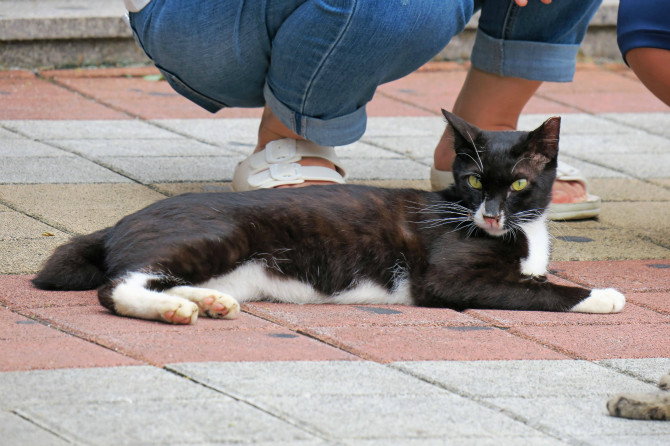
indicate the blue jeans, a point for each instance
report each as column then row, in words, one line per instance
column 317, row 63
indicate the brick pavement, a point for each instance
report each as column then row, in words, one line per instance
column 81, row 148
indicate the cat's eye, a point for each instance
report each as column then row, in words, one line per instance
column 519, row 184
column 475, row 181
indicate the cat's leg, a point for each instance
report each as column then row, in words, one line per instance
column 210, row 303
column 601, row 300
column 539, row 245
column 130, row 296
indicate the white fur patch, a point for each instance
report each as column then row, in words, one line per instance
column 604, row 300
column 539, row 247
column 251, row 282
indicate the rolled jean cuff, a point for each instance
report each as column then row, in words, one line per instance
column 326, row 132
column 538, row 61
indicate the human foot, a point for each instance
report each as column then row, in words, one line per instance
column 272, row 129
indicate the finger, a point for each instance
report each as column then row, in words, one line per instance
column 546, row 2
column 522, row 2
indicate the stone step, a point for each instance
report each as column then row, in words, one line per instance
column 73, row 33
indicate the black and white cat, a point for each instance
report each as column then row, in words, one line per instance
column 482, row 243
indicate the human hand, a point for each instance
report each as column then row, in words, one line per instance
column 523, row 3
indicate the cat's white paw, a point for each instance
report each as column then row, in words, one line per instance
column 219, row 305
column 603, row 300
column 180, row 313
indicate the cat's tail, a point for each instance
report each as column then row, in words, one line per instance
column 77, row 265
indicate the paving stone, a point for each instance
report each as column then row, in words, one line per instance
column 53, row 170
column 629, row 276
column 193, row 421
column 16, row 430
column 388, row 344
column 636, row 165
column 580, row 417
column 394, row 417
column 597, row 240
column 413, row 147
column 591, row 170
column 397, row 169
column 649, row 219
column 621, row 189
column 405, row 126
column 655, row 123
column 523, row 379
column 527, row 439
column 79, row 208
column 17, row 226
column 303, row 379
column 599, row 147
column 236, row 134
column 324, row 315
column 596, row 342
column 21, row 147
column 659, row 302
column 25, row 255
column 157, row 169
column 6, row 134
column 102, row 148
column 648, row 369
column 89, row 129
column 17, row 292
column 576, row 123
column 26, row 344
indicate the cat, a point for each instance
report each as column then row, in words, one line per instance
column 642, row 406
column 481, row 243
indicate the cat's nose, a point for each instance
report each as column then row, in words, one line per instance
column 492, row 221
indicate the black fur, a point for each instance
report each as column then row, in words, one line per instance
column 333, row 236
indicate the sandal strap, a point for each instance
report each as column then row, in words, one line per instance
column 277, row 165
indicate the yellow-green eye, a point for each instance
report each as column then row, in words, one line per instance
column 519, row 184
column 475, row 181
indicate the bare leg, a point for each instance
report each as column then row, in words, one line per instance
column 652, row 66
column 490, row 102
column 272, row 129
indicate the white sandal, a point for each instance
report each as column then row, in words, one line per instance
column 277, row 165
column 589, row 208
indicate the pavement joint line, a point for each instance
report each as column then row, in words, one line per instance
column 157, row 124
column 304, row 426
column 411, row 104
column 55, row 226
column 546, row 430
column 31, row 419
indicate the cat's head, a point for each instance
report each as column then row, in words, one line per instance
column 504, row 177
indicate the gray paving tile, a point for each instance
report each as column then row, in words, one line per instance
column 636, row 165
column 582, row 417
column 39, row 170
column 18, row 431
column 170, row 169
column 576, row 123
column 247, row 379
column 94, row 385
column 26, row 147
column 590, row 170
column 648, row 369
column 385, row 169
column 237, row 134
column 626, row 440
column 656, row 123
column 98, row 148
column 413, row 147
column 396, row 416
column 405, row 126
column 16, row 226
column 524, row 379
column 6, row 134
column 607, row 144
column 219, row 420
column 525, row 440
column 360, row 149
column 100, row 129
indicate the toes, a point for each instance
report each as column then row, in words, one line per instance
column 220, row 306
column 185, row 314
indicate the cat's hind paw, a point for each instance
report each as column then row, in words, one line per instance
column 603, row 300
column 219, row 305
column 185, row 313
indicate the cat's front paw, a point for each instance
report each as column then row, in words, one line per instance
column 652, row 406
column 603, row 300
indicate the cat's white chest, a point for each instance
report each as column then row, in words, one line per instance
column 539, row 246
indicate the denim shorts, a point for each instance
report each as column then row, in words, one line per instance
column 317, row 63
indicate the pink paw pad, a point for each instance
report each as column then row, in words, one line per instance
column 174, row 318
column 213, row 308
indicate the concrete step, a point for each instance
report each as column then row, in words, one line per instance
column 73, row 33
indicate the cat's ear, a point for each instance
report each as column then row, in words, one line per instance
column 462, row 132
column 543, row 141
